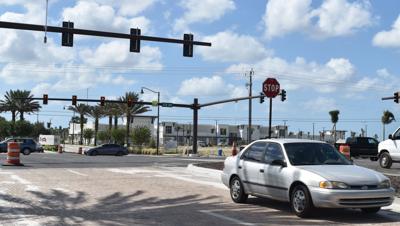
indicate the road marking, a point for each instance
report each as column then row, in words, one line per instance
column 233, row 220
column 77, row 173
column 20, row 179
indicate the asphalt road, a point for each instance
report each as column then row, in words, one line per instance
column 71, row 189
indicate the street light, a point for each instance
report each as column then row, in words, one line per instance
column 158, row 114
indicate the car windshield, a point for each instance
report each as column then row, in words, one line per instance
column 314, row 154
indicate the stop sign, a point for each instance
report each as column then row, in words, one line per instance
column 271, row 87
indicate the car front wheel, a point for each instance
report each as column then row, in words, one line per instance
column 385, row 160
column 300, row 201
column 26, row 151
column 370, row 210
column 237, row 191
column 94, row 153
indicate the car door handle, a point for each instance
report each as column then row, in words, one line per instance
column 239, row 167
column 261, row 170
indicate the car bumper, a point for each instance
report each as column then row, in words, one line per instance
column 331, row 198
column 225, row 179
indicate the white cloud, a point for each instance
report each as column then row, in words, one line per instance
column 229, row 46
column 301, row 74
column 105, row 18
column 389, row 38
column 320, row 104
column 333, row 18
column 202, row 11
column 282, row 17
column 128, row 7
column 204, row 86
column 116, row 53
column 120, row 80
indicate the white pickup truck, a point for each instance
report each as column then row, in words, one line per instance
column 389, row 150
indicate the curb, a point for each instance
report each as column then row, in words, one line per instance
column 201, row 170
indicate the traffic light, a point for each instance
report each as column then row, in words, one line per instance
column 130, row 102
column 396, row 97
column 102, row 101
column 283, row 95
column 262, row 98
column 45, row 98
column 74, row 100
column 135, row 43
column 67, row 38
column 188, row 47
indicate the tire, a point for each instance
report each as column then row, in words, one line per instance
column 370, row 210
column 237, row 190
column 301, row 202
column 26, row 151
column 385, row 161
column 94, row 153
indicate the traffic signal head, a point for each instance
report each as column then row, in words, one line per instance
column 45, row 98
column 102, row 101
column 135, row 43
column 283, row 95
column 262, row 98
column 67, row 38
column 188, row 47
column 396, row 97
column 74, row 100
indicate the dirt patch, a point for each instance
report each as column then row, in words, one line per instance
column 220, row 165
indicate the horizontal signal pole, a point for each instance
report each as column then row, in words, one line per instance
column 35, row 27
column 229, row 100
column 114, row 101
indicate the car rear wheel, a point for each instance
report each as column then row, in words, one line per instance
column 370, row 210
column 94, row 153
column 300, row 201
column 385, row 160
column 237, row 191
column 26, row 151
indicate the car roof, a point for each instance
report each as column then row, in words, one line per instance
column 291, row 140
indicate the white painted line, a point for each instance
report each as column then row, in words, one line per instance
column 197, row 181
column 20, row 179
column 77, row 173
column 233, row 220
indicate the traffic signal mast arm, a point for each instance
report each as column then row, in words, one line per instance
column 395, row 97
column 35, row 27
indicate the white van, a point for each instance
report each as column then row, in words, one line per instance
column 389, row 150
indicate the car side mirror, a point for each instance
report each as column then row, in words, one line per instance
column 279, row 162
column 390, row 136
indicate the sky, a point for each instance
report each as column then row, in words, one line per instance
column 328, row 54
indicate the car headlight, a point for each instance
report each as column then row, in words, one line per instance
column 384, row 184
column 333, row 185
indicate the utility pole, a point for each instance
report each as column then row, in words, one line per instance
column 284, row 127
column 250, row 84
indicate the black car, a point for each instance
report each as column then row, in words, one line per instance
column 27, row 145
column 362, row 147
column 107, row 149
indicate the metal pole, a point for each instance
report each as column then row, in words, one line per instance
column 158, row 122
column 249, row 131
column 270, row 118
column 313, row 126
column 73, row 129
column 195, row 121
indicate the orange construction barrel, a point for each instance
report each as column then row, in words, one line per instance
column 60, row 150
column 345, row 150
column 13, row 151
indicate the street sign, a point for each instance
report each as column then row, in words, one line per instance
column 168, row 105
column 271, row 87
column 154, row 103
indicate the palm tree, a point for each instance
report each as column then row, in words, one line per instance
column 82, row 110
column 387, row 118
column 131, row 111
column 10, row 104
column 96, row 112
column 25, row 103
column 334, row 119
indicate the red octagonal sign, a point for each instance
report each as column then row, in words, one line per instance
column 271, row 87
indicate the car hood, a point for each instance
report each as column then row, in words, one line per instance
column 349, row 174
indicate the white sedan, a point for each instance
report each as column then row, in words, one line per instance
column 307, row 174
